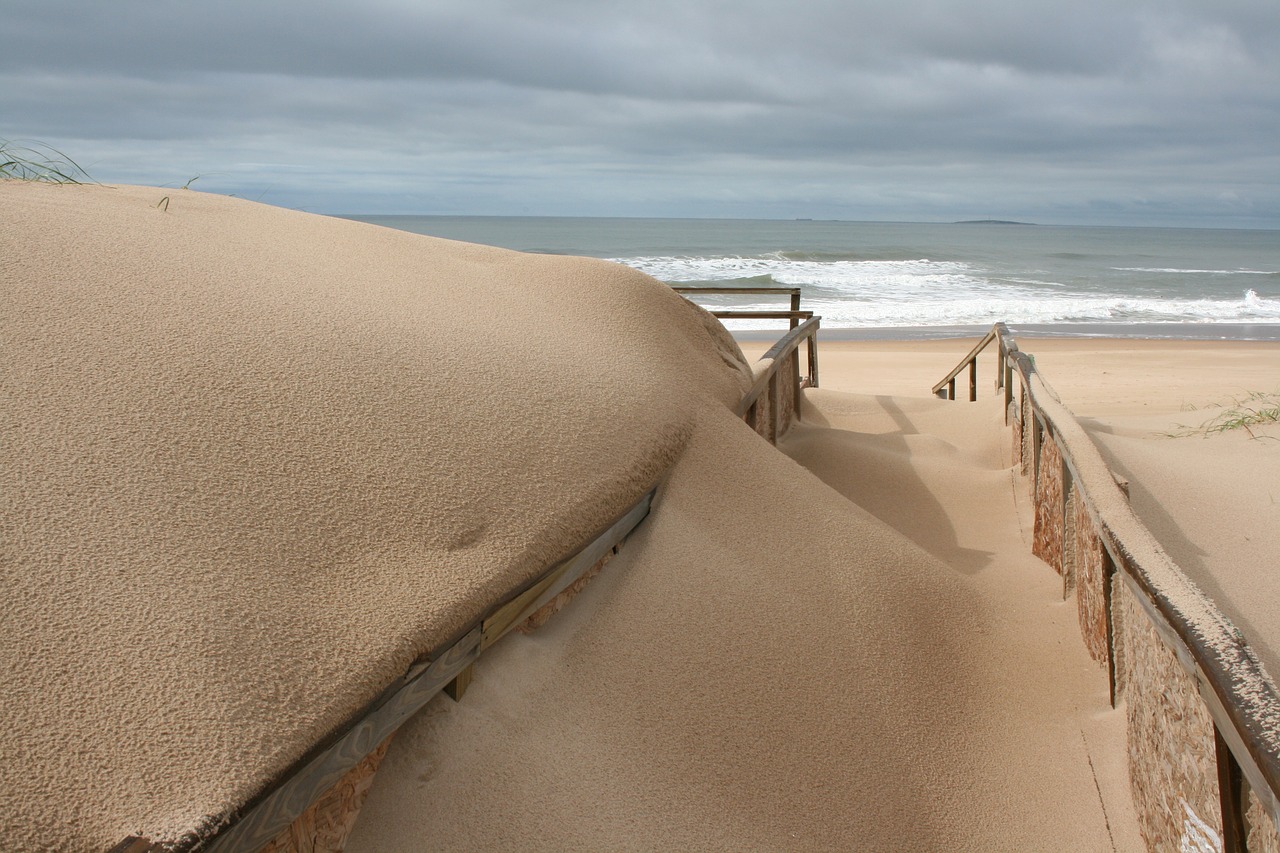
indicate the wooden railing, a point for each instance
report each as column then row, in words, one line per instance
column 728, row 313
column 1083, row 523
column 773, row 401
column 946, row 389
column 316, row 776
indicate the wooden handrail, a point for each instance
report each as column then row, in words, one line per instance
column 998, row 332
column 777, row 354
column 766, row 389
column 782, row 372
column 1234, row 687
column 792, row 292
column 445, row 668
column 793, row 316
column 727, row 291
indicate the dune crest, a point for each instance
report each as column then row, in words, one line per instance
column 255, row 461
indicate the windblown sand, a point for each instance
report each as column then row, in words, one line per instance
column 255, row 462
column 862, row 655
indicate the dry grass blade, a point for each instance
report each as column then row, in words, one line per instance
column 35, row 161
column 1257, row 409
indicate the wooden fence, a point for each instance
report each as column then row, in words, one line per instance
column 772, row 403
column 1203, row 716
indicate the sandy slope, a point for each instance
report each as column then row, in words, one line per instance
column 775, row 663
column 253, row 462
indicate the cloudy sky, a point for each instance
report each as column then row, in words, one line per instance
column 1160, row 112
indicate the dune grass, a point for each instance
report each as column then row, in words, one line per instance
column 1257, row 408
column 35, row 161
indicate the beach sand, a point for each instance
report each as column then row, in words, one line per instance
column 256, row 462
column 855, row 652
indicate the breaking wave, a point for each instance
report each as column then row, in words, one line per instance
column 922, row 292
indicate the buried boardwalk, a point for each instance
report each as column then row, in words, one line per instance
column 863, row 659
column 1208, row 495
column 254, row 463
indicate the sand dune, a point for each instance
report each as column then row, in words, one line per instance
column 775, row 663
column 256, row 461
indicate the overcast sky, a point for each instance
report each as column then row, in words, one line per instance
column 1089, row 111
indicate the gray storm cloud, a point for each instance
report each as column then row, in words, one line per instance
column 1118, row 111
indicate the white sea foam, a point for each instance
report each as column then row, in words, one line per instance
column 922, row 292
column 1176, row 271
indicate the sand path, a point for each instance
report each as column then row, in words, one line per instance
column 863, row 659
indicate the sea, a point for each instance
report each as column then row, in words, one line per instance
column 920, row 280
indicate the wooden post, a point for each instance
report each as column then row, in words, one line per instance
column 973, row 380
column 460, row 683
column 775, row 420
column 1037, row 438
column 795, row 306
column 1231, row 797
column 1068, row 570
column 1108, row 582
column 951, row 389
column 813, row 360
column 795, row 378
column 1006, row 370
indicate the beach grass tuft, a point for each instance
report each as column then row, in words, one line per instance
column 34, row 161
column 1257, row 408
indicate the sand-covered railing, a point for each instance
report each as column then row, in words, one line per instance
column 315, row 804
column 773, row 401
column 1203, row 715
column 254, row 474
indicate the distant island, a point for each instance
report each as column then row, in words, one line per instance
column 990, row 222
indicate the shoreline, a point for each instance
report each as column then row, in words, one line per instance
column 1131, row 331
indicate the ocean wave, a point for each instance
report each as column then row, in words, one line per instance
column 1176, row 271
column 970, row 310
column 917, row 277
column 925, row 292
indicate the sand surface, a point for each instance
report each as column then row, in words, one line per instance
column 860, row 655
column 254, row 462
column 1211, row 499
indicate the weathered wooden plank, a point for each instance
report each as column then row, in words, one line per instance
column 727, row 291
column 566, row 573
column 776, row 356
column 509, row 615
column 265, row 819
column 283, row 805
column 1231, row 797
